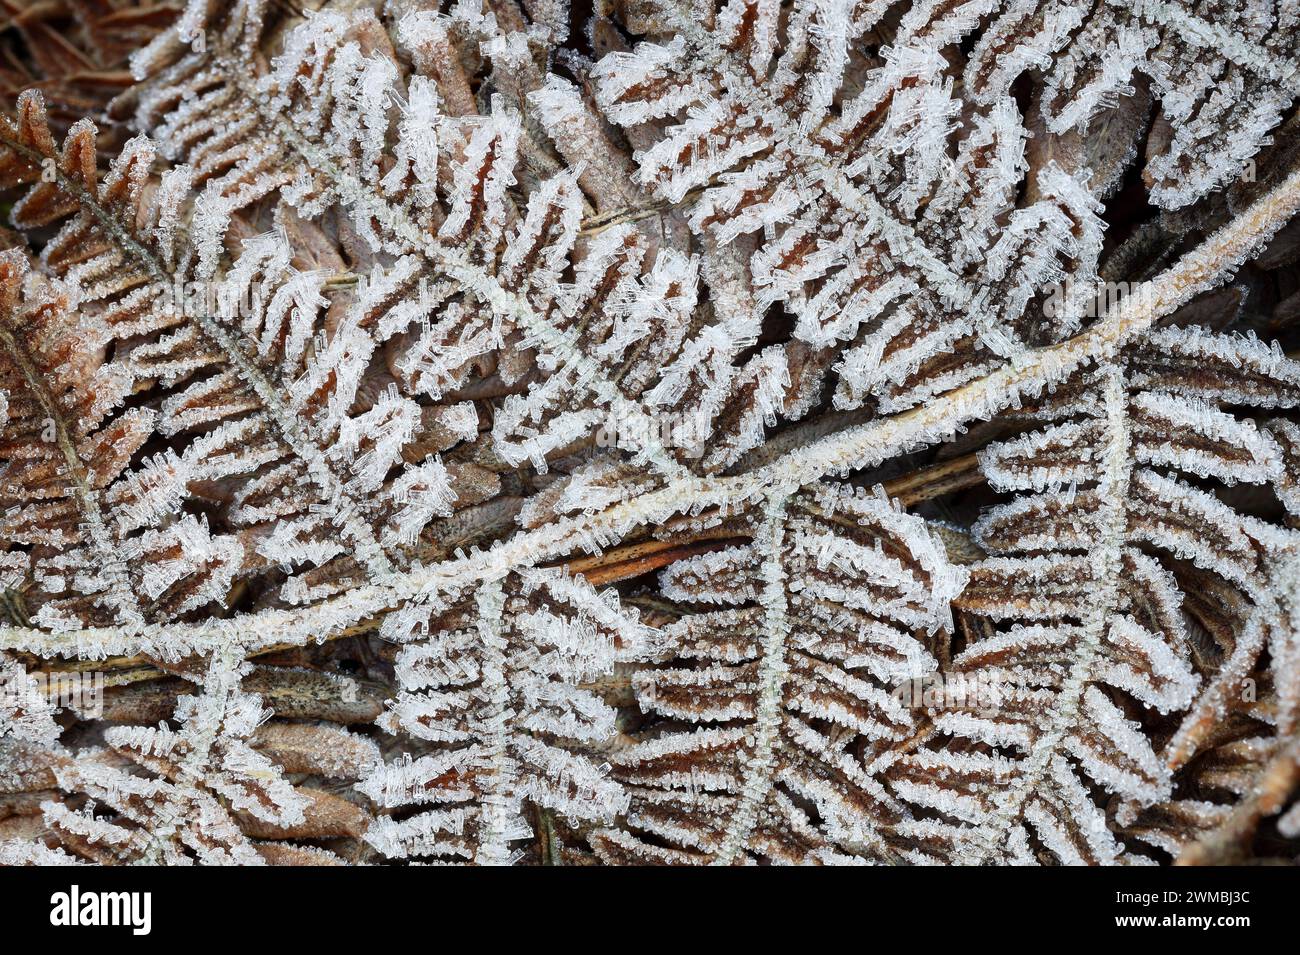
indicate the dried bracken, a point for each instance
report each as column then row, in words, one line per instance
column 497, row 432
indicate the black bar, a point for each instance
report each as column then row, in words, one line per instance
column 599, row 906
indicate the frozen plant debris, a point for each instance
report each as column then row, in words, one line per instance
column 650, row 433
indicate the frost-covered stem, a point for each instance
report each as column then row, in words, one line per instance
column 593, row 225
column 497, row 776
column 367, row 548
column 111, row 567
column 200, row 736
column 1107, row 559
column 772, row 669
column 862, row 446
column 456, row 264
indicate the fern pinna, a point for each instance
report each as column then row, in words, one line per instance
column 840, row 596
column 1089, row 570
column 720, row 433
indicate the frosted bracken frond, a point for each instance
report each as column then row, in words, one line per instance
column 1093, row 559
column 852, row 205
column 196, row 782
column 492, row 694
column 789, row 692
column 441, row 432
